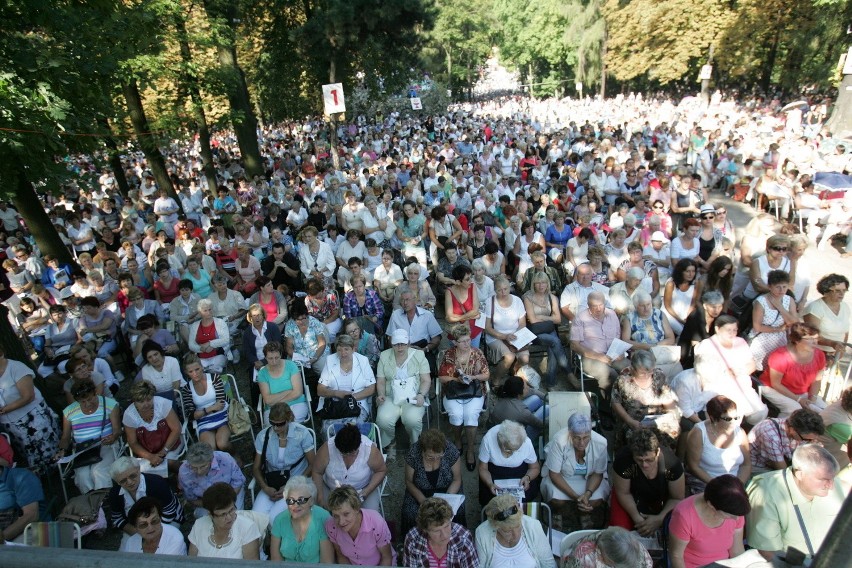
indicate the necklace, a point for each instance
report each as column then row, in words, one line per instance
column 212, row 540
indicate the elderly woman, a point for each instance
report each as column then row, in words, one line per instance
column 793, row 375
column 433, row 465
column 130, row 486
column 316, row 258
column 420, row 289
column 838, row 428
column 507, row 453
column 725, row 364
column 681, row 293
column 210, row 338
column 90, row 418
column 282, row 450
column 621, row 294
column 543, row 319
column 402, row 388
column 647, row 329
column 256, row 336
column 152, row 535
column 484, row 284
column 307, row 338
column 204, row 467
column 463, row 365
column 25, row 416
column 227, row 532
column 160, row 370
column 280, row 381
column 203, row 399
column 271, row 301
column 508, row 537
column 350, row 458
column 248, row 270
column 298, row 533
column 709, row 526
column 518, row 401
column 359, row 535
column 437, row 540
column 574, row 477
column 323, row 304
column 717, row 446
column 612, row 547
column 411, row 230
column 346, row 374
column 648, row 483
column 504, row 316
column 650, row 278
column 364, row 304
column 642, row 399
column 699, row 325
column 152, row 429
column 830, row 315
column 366, row 343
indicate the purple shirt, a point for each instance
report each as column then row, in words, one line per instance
column 364, row 549
column 594, row 334
column 222, row 468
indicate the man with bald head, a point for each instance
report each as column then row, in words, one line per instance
column 575, row 295
column 592, row 332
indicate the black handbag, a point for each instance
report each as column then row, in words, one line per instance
column 346, row 407
column 455, row 390
column 89, row 452
column 542, row 327
column 276, row 479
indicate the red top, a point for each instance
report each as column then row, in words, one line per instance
column 796, row 377
column 459, row 309
column 206, row 333
column 167, row 294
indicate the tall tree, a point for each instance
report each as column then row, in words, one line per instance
column 463, row 35
column 587, row 32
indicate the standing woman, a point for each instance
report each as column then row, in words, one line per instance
column 411, row 230
column 681, row 294
column 204, row 401
column 461, row 302
column 25, row 417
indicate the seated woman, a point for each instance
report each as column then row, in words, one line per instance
column 725, row 364
column 507, row 453
column 364, row 304
column 160, row 370
column 98, row 325
column 648, row 483
column 793, row 374
column 463, row 365
column 271, row 301
column 402, row 387
column 307, row 339
column 226, row 532
column 517, row 401
column 209, row 338
column 367, row 344
column 433, row 465
column 510, row 538
column 621, row 295
column 130, row 486
column 699, row 325
column 642, row 398
column 830, row 314
column 709, row 526
column 346, row 373
column 574, row 476
column 153, row 536
column 717, row 446
column 90, row 418
column 282, row 450
column 681, row 293
column 360, row 536
column 350, row 458
column 257, row 334
column 281, row 381
column 646, row 328
column 504, row 315
column 204, row 467
column 298, row 533
column 324, row 305
column 612, row 546
column 437, row 539
column 203, row 399
column 772, row 315
column 838, row 428
column 543, row 319
column 152, row 429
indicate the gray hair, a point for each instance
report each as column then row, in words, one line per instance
column 622, row 548
column 219, row 279
column 579, row 423
column 810, row 458
column 200, row 453
column 511, row 434
column 636, row 272
column 477, row 264
column 122, row 464
column 643, row 360
column 300, row 482
column 712, row 298
column 204, row 304
column 344, row 340
column 641, row 296
column 597, row 296
column 630, row 219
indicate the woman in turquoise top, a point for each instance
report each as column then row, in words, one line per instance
column 281, row 381
column 298, row 534
column 198, row 276
column 411, row 231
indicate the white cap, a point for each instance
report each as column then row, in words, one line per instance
column 659, row 236
column 399, row 336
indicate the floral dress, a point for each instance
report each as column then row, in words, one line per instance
column 429, row 482
column 639, row 403
column 762, row 343
column 306, row 345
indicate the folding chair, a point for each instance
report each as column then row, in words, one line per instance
column 577, row 363
column 232, row 394
column 563, row 405
column 54, row 534
column 372, row 432
column 571, row 539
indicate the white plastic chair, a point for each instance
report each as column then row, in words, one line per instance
column 571, row 539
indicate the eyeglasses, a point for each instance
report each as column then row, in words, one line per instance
column 277, row 424
column 506, row 513
column 779, row 249
column 297, row 501
column 152, row 523
column 658, row 207
column 708, row 216
column 839, row 290
column 228, row 513
column 729, row 418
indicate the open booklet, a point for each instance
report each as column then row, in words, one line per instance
column 617, row 348
column 511, row 486
column 523, row 337
column 455, row 500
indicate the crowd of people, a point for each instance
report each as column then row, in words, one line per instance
column 357, row 282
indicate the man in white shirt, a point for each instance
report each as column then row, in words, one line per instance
column 9, row 217
column 575, row 296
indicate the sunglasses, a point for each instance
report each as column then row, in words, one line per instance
column 779, row 249
column 299, row 501
column 729, row 418
column 506, row 513
column 141, row 526
column 277, row 424
column 708, row 216
column 658, row 207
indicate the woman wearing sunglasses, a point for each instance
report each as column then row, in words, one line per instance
column 510, row 537
column 717, row 446
column 153, row 536
column 226, row 532
column 284, row 449
column 298, row 533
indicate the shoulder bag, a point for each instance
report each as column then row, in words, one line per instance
column 275, row 479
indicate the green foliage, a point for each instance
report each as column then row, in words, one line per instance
column 434, row 100
column 461, row 40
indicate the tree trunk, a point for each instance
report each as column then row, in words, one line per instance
column 840, row 123
column 242, row 113
column 191, row 83
column 448, row 51
column 603, row 67
column 469, row 81
column 766, row 75
column 146, row 140
column 32, row 211
column 115, row 161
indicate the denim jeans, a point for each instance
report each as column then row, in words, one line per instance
column 556, row 355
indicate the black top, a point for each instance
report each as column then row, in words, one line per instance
column 650, row 494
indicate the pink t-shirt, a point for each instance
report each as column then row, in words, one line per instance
column 705, row 544
column 363, row 550
column 796, row 377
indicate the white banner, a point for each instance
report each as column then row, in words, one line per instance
column 332, row 98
